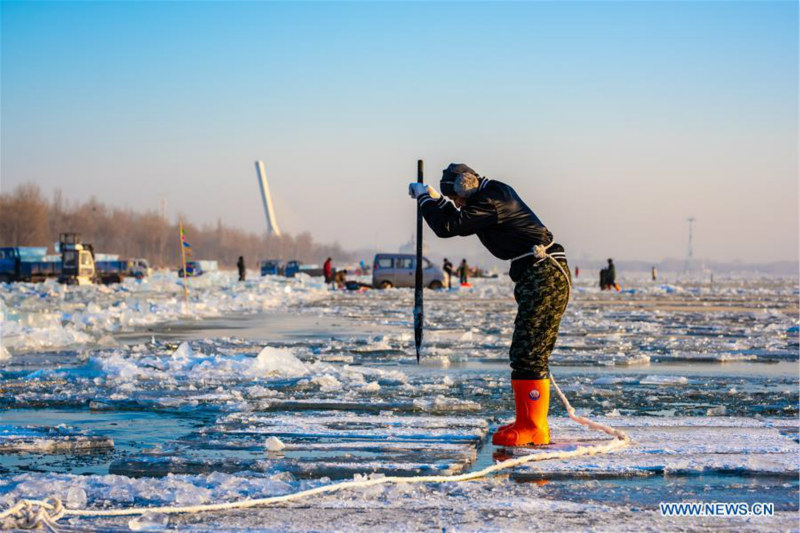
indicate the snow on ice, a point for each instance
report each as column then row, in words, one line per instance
column 708, row 394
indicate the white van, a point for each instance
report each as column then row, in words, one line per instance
column 399, row 270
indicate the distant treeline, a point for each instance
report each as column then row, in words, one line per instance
column 28, row 219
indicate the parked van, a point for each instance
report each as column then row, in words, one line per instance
column 399, row 270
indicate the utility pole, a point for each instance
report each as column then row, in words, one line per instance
column 689, row 252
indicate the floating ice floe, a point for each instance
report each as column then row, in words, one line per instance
column 614, row 380
column 50, row 440
column 664, row 380
column 341, row 444
column 681, row 445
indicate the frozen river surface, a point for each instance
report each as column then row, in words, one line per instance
column 124, row 396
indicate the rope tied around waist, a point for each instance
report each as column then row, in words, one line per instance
column 540, row 252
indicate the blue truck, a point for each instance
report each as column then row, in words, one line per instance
column 27, row 263
column 75, row 265
column 114, row 270
column 272, row 267
column 295, row 267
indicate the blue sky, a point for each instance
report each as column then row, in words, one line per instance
column 614, row 120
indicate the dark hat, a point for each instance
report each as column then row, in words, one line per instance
column 449, row 176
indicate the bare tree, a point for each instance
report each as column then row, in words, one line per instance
column 24, row 217
column 27, row 219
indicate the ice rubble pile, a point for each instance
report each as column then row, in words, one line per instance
column 185, row 367
column 52, row 316
column 43, row 439
column 229, row 377
column 166, row 377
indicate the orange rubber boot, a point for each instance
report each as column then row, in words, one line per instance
column 532, row 401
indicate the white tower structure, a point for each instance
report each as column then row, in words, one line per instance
column 269, row 210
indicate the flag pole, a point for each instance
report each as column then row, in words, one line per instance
column 418, row 314
column 183, row 260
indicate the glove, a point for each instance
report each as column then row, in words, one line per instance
column 415, row 190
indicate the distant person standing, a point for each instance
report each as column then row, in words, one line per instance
column 241, row 267
column 448, row 271
column 577, row 271
column 463, row 272
column 654, row 273
column 611, row 278
column 608, row 277
column 327, row 270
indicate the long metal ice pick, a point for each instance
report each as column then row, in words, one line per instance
column 418, row 281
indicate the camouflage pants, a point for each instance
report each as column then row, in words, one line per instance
column 542, row 294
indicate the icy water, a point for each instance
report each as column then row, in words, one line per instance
column 122, row 396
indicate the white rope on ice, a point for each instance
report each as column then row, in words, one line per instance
column 30, row 514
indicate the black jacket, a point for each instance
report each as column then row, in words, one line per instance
column 496, row 214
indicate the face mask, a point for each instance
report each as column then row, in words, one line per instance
column 446, row 186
